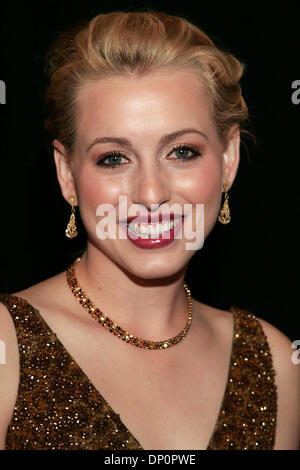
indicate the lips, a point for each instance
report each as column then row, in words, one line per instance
column 142, row 240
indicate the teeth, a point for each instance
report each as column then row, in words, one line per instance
column 152, row 230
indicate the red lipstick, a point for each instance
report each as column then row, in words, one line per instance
column 160, row 240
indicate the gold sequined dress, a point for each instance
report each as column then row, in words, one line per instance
column 57, row 407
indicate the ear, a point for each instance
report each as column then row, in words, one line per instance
column 231, row 155
column 64, row 171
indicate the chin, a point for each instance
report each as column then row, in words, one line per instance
column 159, row 269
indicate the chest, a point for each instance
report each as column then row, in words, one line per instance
column 166, row 399
column 174, row 410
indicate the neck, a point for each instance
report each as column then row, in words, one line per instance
column 153, row 309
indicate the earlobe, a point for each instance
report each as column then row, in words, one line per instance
column 64, row 171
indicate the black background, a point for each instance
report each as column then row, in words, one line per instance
column 253, row 261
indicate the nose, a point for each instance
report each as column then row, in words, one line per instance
column 152, row 187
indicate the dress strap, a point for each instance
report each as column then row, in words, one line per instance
column 27, row 321
column 249, row 409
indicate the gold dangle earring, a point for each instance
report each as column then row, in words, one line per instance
column 71, row 230
column 224, row 215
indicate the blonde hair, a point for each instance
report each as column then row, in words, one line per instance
column 118, row 43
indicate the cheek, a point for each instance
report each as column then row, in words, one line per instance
column 94, row 190
column 204, row 185
column 204, row 188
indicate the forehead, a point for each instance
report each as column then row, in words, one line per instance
column 152, row 104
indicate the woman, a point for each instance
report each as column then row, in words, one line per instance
column 146, row 114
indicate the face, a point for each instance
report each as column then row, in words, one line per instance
column 165, row 149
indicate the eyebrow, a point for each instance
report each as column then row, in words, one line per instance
column 126, row 143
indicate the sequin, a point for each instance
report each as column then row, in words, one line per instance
column 250, row 399
column 57, row 407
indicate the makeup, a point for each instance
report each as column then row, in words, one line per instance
column 153, row 235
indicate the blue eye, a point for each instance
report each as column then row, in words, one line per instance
column 185, row 153
column 114, row 158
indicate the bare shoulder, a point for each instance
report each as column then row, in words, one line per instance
column 286, row 363
column 50, row 289
column 219, row 322
column 210, row 313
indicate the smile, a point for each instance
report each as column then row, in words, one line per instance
column 145, row 230
column 153, row 235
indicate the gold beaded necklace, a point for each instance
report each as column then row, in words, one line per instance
column 113, row 328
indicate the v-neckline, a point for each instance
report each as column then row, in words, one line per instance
column 116, row 416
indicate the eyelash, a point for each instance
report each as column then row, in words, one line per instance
column 185, row 161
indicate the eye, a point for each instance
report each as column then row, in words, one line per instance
column 185, row 153
column 113, row 158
